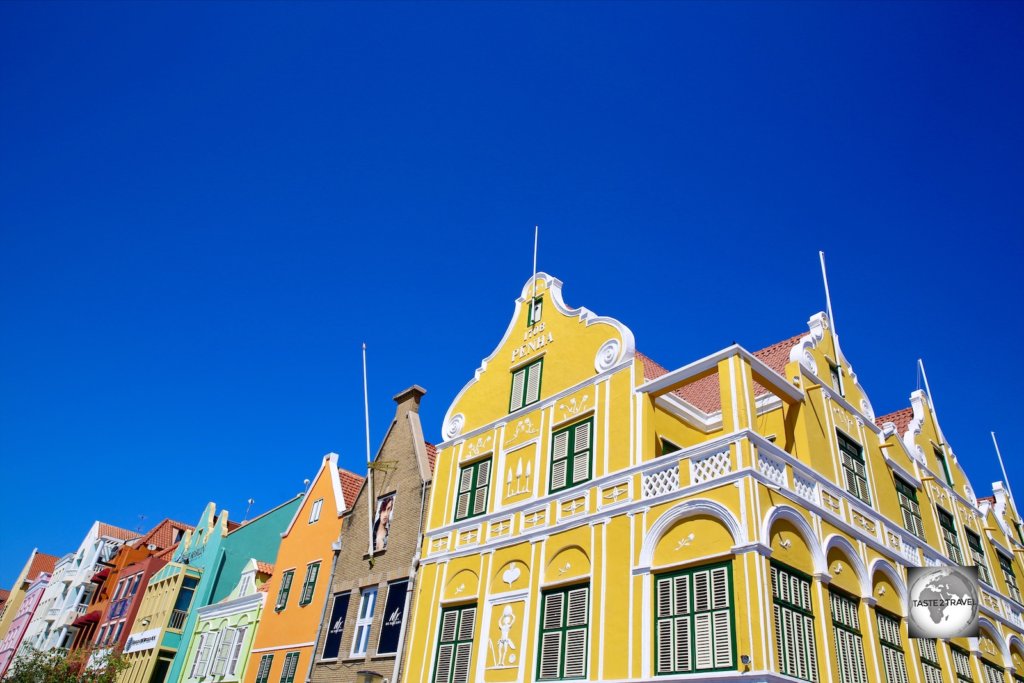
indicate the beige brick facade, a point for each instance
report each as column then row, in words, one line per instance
column 403, row 470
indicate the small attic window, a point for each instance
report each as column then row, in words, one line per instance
column 837, row 378
column 536, row 308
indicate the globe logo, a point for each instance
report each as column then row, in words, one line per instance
column 943, row 602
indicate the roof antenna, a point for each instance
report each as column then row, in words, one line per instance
column 1006, row 480
column 142, row 519
column 533, row 300
column 250, row 501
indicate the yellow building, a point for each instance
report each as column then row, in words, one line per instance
column 742, row 518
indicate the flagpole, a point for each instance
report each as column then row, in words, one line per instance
column 369, row 470
column 831, row 317
column 536, row 234
column 931, row 401
column 1001, row 465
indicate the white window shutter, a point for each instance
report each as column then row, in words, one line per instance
column 560, row 447
column 575, row 653
column 466, row 480
column 443, row 668
column 665, row 645
column 463, row 654
column 448, row 624
column 553, row 610
column 723, row 639
column 664, row 598
column 480, row 502
column 576, row 615
column 702, row 643
column 533, row 383
column 582, row 440
column 467, row 624
column 462, row 506
column 518, row 378
column 719, row 588
column 701, row 591
column 684, row 661
column 558, row 469
column 682, row 597
column 550, row 655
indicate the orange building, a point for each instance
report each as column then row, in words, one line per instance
column 297, row 591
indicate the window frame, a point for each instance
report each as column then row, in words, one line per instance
column 785, row 612
column 940, row 456
column 309, row 585
column 314, row 511
column 364, row 621
column 992, row 672
column 284, row 590
column 854, row 637
column 563, row 629
column 907, row 491
column 263, row 674
column 1009, row 576
column 288, row 668
column 531, row 308
column 571, row 455
column 455, row 643
column 691, row 615
column 894, row 657
column 950, row 537
column 929, row 665
column 519, row 402
column 977, row 550
column 850, row 473
column 967, row 676
column 473, row 470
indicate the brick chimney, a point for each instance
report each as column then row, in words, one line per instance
column 409, row 400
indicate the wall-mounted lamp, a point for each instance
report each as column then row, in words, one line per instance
column 745, row 660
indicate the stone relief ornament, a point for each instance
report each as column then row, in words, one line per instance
column 519, row 481
column 607, row 355
column 454, row 426
column 523, row 427
column 683, row 542
column 574, row 407
column 481, row 445
column 564, row 570
column 511, row 575
column 504, row 655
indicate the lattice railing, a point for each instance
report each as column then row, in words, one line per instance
column 710, row 466
column 771, row 467
column 661, row 481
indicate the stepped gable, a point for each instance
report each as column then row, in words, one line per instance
column 704, row 393
column 350, row 485
column 901, row 418
column 111, row 531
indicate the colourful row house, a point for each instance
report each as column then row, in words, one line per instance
column 28, row 592
column 284, row 642
column 37, row 562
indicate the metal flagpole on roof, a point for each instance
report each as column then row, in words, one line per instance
column 931, row 401
column 536, row 234
column 831, row 318
column 999, row 455
column 369, row 469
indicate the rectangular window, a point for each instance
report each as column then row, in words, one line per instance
column 536, row 308
column 525, row 385
column 940, row 456
column 949, row 536
column 909, row 507
column 223, row 651
column 993, row 673
column 962, row 664
column 978, row 555
column 202, row 656
column 364, row 621
column 837, row 377
column 291, row 663
column 854, row 468
column 314, row 512
column 571, row 450
column 120, row 627
column 309, row 585
column 794, row 623
column 1006, row 564
column 263, row 672
column 849, row 644
column 930, row 660
column 474, row 483
column 286, row 587
column 336, row 626
column 455, row 645
column 892, row 648
column 694, row 620
column 184, row 599
column 236, row 649
column 565, row 618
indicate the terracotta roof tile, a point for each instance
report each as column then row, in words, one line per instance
column 431, row 455
column 111, row 531
column 168, row 553
column 704, row 393
column 4, row 594
column 162, row 535
column 350, row 485
column 987, row 499
column 264, row 567
column 901, row 418
column 41, row 563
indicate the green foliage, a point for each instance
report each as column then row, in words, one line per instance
column 59, row 666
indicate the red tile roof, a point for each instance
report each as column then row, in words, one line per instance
column 901, row 418
column 41, row 563
column 162, row 535
column 350, row 485
column 111, row 531
column 168, row 553
column 704, row 393
column 431, row 455
column 264, row 567
column 4, row 594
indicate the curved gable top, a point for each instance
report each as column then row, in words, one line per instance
column 580, row 332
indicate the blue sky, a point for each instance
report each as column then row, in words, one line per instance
column 205, row 209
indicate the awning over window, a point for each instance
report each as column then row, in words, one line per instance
column 90, row 618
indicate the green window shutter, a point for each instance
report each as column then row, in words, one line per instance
column 848, row 641
column 852, row 456
column 263, row 672
column 1006, row 564
column 910, row 508
column 572, row 450
column 889, row 638
column 978, row 555
column 694, row 621
column 564, row 629
column 286, row 587
column 794, row 623
column 525, row 385
column 309, row 585
column 949, row 537
column 455, row 645
column 962, row 664
column 474, row 485
column 291, row 663
column 940, row 456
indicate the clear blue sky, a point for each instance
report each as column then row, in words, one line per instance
column 206, row 208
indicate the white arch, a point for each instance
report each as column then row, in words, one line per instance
column 791, row 515
column 891, row 573
column 841, row 542
column 690, row 508
column 997, row 638
column 1013, row 640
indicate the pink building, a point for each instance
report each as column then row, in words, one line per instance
column 16, row 631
